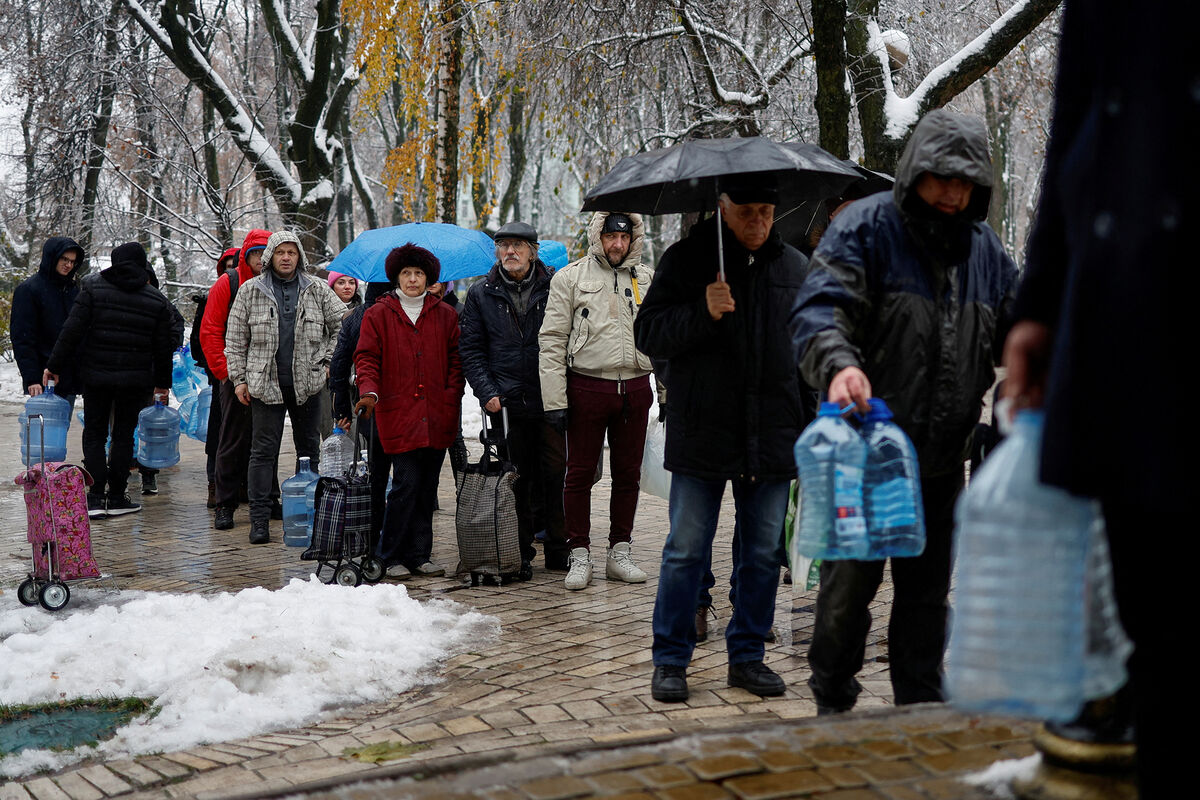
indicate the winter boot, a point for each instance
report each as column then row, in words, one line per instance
column 620, row 566
column 579, row 574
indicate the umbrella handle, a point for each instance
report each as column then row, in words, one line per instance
column 720, row 245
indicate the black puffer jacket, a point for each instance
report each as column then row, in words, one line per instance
column 499, row 350
column 734, row 405
column 41, row 304
column 121, row 329
column 916, row 299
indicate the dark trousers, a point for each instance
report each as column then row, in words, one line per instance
column 233, row 452
column 212, row 442
column 267, row 424
column 379, row 464
column 120, row 405
column 917, row 628
column 539, row 454
column 618, row 409
column 407, row 537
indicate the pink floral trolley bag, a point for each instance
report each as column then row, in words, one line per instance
column 58, row 532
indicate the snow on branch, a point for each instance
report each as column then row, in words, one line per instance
column 281, row 32
column 952, row 76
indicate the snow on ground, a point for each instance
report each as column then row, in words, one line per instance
column 11, row 388
column 226, row 666
column 998, row 778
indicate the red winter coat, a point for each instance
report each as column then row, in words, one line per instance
column 216, row 311
column 414, row 370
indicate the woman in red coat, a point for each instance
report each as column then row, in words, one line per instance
column 410, row 378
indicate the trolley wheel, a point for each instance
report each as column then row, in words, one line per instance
column 54, row 595
column 372, row 569
column 347, row 575
column 27, row 592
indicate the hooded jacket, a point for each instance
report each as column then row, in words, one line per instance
column 216, row 311
column 41, row 304
column 415, row 372
column 252, row 331
column 201, row 301
column 120, row 332
column 918, row 300
column 736, row 404
column 500, row 347
column 590, row 316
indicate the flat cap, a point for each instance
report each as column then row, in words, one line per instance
column 517, row 230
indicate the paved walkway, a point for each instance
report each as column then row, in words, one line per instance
column 558, row 707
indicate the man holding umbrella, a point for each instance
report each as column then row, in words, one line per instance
column 734, row 413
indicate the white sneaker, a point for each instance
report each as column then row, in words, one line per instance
column 620, row 566
column 398, row 571
column 579, row 569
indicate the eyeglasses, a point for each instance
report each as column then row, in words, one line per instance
column 511, row 244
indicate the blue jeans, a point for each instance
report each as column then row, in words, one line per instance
column 694, row 509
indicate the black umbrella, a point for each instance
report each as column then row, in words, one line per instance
column 689, row 176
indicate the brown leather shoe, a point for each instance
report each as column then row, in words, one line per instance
column 702, row 624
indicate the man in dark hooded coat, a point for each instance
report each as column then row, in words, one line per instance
column 908, row 300
column 120, row 333
column 41, row 304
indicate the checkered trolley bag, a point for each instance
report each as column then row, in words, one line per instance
column 342, row 527
column 486, row 518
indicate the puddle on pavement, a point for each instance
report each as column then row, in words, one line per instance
column 63, row 728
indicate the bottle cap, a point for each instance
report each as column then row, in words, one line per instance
column 879, row 411
column 829, row 410
column 337, row 429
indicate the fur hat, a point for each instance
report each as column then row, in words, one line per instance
column 410, row 255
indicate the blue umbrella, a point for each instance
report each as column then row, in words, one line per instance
column 463, row 253
column 553, row 253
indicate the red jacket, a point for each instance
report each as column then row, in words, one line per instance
column 414, row 370
column 216, row 311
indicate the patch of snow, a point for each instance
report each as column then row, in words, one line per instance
column 225, row 666
column 897, row 42
column 12, row 389
column 998, row 778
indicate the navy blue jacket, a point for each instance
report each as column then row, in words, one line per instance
column 41, row 304
column 918, row 301
column 499, row 350
column 735, row 400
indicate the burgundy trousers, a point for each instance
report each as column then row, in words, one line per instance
column 596, row 407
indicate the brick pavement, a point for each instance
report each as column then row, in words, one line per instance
column 558, row 707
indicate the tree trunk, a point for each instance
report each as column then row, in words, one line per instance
column 510, row 204
column 449, row 76
column 829, row 52
column 100, row 122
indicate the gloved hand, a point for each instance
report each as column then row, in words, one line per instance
column 557, row 420
column 365, row 406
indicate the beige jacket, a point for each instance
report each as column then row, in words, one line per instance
column 588, row 326
column 252, row 338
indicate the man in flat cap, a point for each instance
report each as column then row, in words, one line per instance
column 733, row 415
column 596, row 383
column 499, row 326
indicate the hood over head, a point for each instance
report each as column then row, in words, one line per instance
column 255, row 240
column 232, row 251
column 277, row 238
column 596, row 227
column 130, row 268
column 952, row 146
column 52, row 250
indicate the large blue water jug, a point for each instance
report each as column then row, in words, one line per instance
column 830, row 457
column 56, row 421
column 891, row 487
column 310, row 506
column 158, row 436
column 1018, row 637
column 294, row 492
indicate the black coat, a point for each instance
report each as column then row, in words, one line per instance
column 925, row 323
column 499, row 349
column 1110, row 266
column 41, row 304
column 121, row 331
column 734, row 395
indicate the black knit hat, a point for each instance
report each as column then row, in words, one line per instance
column 130, row 253
column 618, row 223
column 410, row 255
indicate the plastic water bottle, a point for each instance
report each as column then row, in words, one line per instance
column 158, row 436
column 891, row 487
column 830, row 457
column 337, row 454
column 1017, row 641
column 310, row 507
column 56, row 421
column 199, row 428
column 181, row 376
column 294, row 491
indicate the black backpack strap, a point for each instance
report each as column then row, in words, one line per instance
column 233, row 285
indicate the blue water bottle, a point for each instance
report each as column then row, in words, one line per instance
column 891, row 487
column 830, row 457
column 1018, row 638
column 158, row 436
column 294, row 492
column 56, row 421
